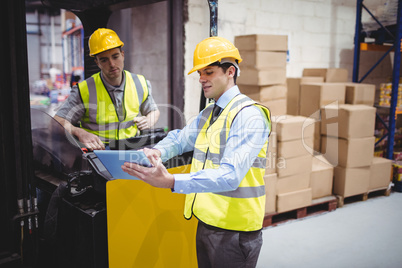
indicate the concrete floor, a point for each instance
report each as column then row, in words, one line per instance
column 360, row 234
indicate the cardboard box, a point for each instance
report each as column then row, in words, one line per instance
column 321, row 177
column 357, row 93
column 317, row 72
column 357, row 152
column 293, row 183
column 276, row 107
column 293, row 85
column 335, row 75
column 262, row 42
column 264, row 93
column 293, row 166
column 314, row 96
column 330, row 75
column 273, row 92
column 270, row 192
column 317, row 136
column 317, row 144
column 261, row 60
column 253, row 92
column 380, row 173
column 295, row 148
column 270, row 166
column 351, row 181
column 293, row 127
column 266, row 77
column 311, row 79
column 348, row 121
column 293, row 200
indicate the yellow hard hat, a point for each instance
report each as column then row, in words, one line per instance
column 103, row 39
column 211, row 50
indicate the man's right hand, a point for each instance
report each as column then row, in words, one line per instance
column 91, row 141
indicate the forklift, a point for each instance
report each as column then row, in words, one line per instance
column 59, row 205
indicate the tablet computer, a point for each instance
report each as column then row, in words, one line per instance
column 113, row 160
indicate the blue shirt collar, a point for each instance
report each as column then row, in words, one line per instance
column 228, row 96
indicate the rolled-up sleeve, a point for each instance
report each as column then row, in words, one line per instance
column 72, row 109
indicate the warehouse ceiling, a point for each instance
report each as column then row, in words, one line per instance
column 84, row 5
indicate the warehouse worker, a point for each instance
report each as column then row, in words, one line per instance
column 225, row 187
column 107, row 105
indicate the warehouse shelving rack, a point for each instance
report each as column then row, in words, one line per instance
column 73, row 50
column 384, row 36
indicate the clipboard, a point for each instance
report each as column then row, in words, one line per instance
column 113, row 160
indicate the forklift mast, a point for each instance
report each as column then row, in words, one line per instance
column 33, row 158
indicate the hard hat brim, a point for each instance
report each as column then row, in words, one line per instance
column 198, row 67
column 103, row 50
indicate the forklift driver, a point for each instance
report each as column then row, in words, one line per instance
column 107, row 105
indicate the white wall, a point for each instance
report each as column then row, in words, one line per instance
column 320, row 34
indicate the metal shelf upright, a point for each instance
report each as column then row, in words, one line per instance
column 396, row 47
column 73, row 50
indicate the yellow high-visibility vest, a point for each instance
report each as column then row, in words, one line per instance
column 242, row 209
column 101, row 117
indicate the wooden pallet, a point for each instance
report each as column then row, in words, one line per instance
column 341, row 200
column 318, row 206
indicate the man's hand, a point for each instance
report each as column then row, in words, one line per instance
column 155, row 153
column 157, row 176
column 142, row 122
column 91, row 141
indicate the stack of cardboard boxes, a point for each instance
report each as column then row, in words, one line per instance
column 294, row 152
column 358, row 93
column 321, row 178
column 322, row 86
column 263, row 70
column 294, row 176
column 347, row 133
column 348, row 144
column 319, row 112
column 293, row 85
column 330, row 75
column 293, row 102
column 289, row 176
column 311, row 76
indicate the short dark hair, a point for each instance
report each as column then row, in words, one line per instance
column 225, row 66
column 120, row 48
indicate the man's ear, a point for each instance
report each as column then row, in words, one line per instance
column 231, row 71
column 96, row 61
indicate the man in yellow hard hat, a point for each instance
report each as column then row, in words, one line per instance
column 112, row 104
column 225, row 188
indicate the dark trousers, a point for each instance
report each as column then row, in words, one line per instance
column 219, row 248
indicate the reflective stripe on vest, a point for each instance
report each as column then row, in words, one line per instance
column 242, row 209
column 101, row 117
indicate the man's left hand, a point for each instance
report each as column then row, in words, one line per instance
column 142, row 122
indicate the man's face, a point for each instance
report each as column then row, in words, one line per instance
column 111, row 62
column 214, row 81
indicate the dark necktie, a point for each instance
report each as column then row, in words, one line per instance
column 215, row 113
